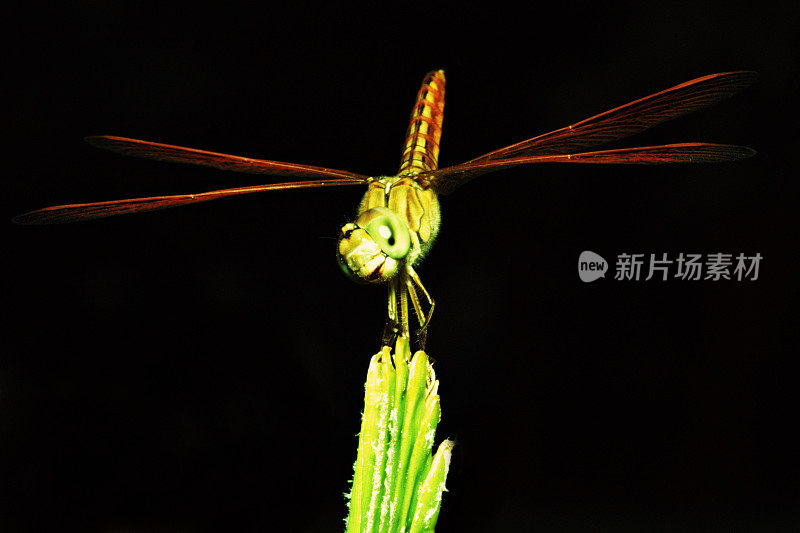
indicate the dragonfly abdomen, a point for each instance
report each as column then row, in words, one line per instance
column 421, row 149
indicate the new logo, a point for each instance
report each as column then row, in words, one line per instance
column 591, row 266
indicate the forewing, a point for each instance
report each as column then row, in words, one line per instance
column 193, row 156
column 446, row 180
column 75, row 212
column 630, row 118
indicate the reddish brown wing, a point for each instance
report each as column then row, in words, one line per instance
column 193, row 156
column 611, row 125
column 630, row 118
column 75, row 212
column 452, row 177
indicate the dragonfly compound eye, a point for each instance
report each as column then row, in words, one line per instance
column 388, row 231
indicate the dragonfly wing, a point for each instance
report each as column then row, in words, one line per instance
column 630, row 118
column 75, row 212
column 193, row 156
column 446, row 180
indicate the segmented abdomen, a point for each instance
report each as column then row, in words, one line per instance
column 421, row 150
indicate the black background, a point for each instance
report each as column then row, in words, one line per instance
column 202, row 369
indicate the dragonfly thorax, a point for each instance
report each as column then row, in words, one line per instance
column 397, row 223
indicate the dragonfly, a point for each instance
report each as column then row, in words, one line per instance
column 398, row 217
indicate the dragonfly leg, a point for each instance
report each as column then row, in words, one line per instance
column 392, row 326
column 403, row 291
column 413, row 280
column 412, row 292
column 396, row 312
column 422, row 332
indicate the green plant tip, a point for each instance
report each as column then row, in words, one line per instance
column 397, row 485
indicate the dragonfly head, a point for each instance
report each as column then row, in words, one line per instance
column 373, row 248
